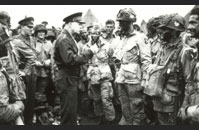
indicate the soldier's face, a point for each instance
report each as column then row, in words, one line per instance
column 76, row 27
column 90, row 30
column 165, row 34
column 27, row 30
column 84, row 35
column 193, row 26
column 41, row 35
column 95, row 34
column 109, row 28
column 124, row 25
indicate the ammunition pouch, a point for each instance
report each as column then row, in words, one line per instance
column 156, row 81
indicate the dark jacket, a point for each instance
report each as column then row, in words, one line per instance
column 66, row 55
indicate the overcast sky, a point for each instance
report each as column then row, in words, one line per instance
column 54, row 14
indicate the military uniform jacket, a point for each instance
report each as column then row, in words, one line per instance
column 9, row 94
column 16, row 84
column 192, row 88
column 155, row 46
column 109, row 39
column 178, row 71
column 26, row 55
column 43, row 51
column 135, row 56
column 99, row 69
column 66, row 56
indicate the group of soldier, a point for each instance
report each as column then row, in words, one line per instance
column 123, row 77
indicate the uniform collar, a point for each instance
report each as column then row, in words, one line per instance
column 68, row 34
column 26, row 38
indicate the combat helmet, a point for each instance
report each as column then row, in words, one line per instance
column 40, row 27
column 4, row 18
column 126, row 14
column 173, row 21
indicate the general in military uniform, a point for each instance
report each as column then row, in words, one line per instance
column 68, row 62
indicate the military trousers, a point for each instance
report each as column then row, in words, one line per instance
column 149, row 111
column 67, row 88
column 29, row 103
column 102, row 95
column 132, row 102
column 167, row 107
column 42, row 84
column 167, row 118
column 41, row 95
column 83, row 100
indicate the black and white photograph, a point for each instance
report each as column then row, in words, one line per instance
column 99, row 65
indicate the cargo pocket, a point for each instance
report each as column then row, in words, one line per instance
column 167, row 99
column 129, row 75
column 155, row 84
column 131, row 52
column 172, row 87
column 137, row 108
column 18, row 88
column 93, row 74
column 105, row 72
column 132, row 73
